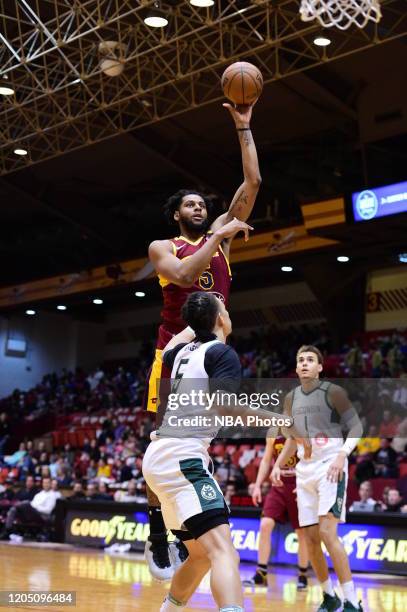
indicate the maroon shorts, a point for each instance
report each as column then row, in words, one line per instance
column 281, row 504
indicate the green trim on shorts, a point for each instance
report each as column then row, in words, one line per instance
column 208, row 493
column 340, row 497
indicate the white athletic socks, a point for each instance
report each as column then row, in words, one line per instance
column 349, row 593
column 327, row 587
column 231, row 609
column 170, row 604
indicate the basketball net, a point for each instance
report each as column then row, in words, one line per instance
column 341, row 13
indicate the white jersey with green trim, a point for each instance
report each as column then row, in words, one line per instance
column 316, row 420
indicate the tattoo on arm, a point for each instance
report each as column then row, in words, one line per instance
column 246, row 138
column 241, row 201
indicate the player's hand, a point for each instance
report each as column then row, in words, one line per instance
column 229, row 230
column 256, row 495
column 241, row 113
column 275, row 477
column 335, row 470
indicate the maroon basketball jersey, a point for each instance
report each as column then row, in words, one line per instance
column 292, row 461
column 215, row 279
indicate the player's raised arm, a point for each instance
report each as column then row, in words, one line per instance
column 184, row 272
column 244, row 198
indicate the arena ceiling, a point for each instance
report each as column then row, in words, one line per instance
column 104, row 152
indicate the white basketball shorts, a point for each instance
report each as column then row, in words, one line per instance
column 316, row 495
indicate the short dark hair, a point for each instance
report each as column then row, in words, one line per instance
column 309, row 348
column 174, row 202
column 199, row 312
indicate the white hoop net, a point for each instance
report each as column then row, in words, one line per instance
column 341, row 13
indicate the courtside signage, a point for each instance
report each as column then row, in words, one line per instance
column 373, row 548
column 379, row 202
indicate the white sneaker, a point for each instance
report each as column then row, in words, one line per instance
column 159, row 561
column 178, row 553
column 15, row 538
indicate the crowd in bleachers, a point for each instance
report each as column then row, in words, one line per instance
column 101, row 432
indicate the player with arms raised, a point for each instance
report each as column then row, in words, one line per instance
column 196, row 260
column 321, row 411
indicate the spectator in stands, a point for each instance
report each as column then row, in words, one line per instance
column 389, row 425
column 78, row 492
column 131, row 495
column 91, row 492
column 102, row 493
column 94, row 450
column 104, row 469
column 395, row 502
column 377, row 359
column 230, row 491
column 385, row 460
column 28, row 492
column 91, row 471
column 38, row 510
column 4, row 431
column 354, row 361
column 366, row 503
column 227, row 472
column 7, row 494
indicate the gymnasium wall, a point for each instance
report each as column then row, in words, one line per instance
column 53, row 342
column 386, row 299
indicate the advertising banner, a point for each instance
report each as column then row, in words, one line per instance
column 373, row 548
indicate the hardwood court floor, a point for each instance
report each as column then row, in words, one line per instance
column 120, row 584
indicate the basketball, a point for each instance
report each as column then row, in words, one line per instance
column 242, row 83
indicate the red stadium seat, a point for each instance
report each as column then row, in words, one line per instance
column 402, row 470
column 379, row 484
column 352, row 470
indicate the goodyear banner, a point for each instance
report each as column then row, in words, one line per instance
column 374, row 548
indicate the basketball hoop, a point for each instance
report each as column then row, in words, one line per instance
column 341, row 13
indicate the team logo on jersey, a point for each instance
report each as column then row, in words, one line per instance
column 208, row 492
column 320, row 439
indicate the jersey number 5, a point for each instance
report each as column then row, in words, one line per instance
column 178, row 375
column 206, row 281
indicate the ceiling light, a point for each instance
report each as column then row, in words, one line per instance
column 21, row 152
column 97, row 301
column 61, row 307
column 156, row 18
column 5, row 87
column 140, row 294
column 286, row 269
column 202, row 3
column 342, row 258
column 30, row 312
column 322, row 41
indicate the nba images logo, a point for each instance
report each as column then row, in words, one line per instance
column 367, row 205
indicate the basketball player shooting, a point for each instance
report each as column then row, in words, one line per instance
column 196, row 260
column 322, row 411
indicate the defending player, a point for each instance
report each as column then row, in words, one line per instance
column 322, row 410
column 280, row 505
column 176, row 468
column 195, row 260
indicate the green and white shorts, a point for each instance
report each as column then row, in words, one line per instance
column 177, row 471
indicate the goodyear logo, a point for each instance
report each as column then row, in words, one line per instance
column 117, row 528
